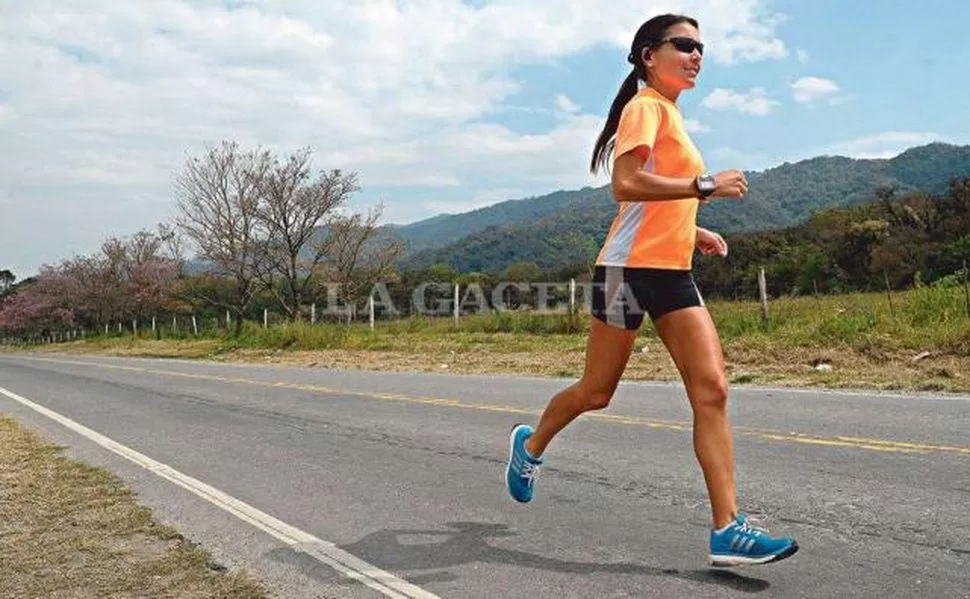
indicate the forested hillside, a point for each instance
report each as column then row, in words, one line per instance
column 568, row 227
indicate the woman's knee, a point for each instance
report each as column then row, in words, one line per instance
column 599, row 400
column 709, row 393
column 595, row 397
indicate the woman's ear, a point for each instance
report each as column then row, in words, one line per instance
column 645, row 57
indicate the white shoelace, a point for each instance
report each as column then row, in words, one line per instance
column 750, row 528
column 530, row 471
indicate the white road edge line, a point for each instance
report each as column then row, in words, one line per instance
column 324, row 551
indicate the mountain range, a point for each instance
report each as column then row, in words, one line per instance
column 567, row 227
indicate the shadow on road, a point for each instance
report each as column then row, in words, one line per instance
column 467, row 542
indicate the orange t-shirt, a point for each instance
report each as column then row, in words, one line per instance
column 655, row 234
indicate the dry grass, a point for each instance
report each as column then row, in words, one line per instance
column 69, row 530
column 750, row 360
column 565, row 358
column 838, row 341
column 134, row 348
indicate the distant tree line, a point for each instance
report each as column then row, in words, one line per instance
column 910, row 239
column 914, row 239
column 268, row 232
column 264, row 230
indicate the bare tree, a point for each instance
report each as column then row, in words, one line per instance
column 91, row 286
column 294, row 208
column 174, row 243
column 218, row 197
column 143, row 274
column 353, row 258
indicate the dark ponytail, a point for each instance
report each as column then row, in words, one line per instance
column 605, row 142
column 649, row 36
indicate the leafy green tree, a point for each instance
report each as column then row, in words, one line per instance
column 7, row 279
column 522, row 272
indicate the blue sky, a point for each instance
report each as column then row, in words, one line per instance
column 440, row 105
column 898, row 74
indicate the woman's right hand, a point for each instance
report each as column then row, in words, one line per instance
column 730, row 184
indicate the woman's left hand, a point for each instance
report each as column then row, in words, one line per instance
column 710, row 243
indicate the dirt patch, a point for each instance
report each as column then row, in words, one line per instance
column 834, row 368
column 69, row 530
column 755, row 361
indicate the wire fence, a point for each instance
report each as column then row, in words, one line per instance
column 434, row 300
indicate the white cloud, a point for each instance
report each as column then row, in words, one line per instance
column 755, row 101
column 725, row 157
column 881, row 145
column 480, row 200
column 839, row 100
column 419, row 180
column 802, row 56
column 564, row 104
column 695, row 126
column 811, row 89
column 406, row 92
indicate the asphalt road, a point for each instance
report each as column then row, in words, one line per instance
column 397, row 479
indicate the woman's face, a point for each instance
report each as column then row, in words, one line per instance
column 676, row 62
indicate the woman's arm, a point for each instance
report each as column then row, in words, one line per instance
column 710, row 243
column 633, row 184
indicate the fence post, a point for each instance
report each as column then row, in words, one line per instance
column 457, row 309
column 572, row 296
column 105, row 328
column 134, row 327
column 889, row 294
column 119, row 326
column 154, row 328
column 370, row 308
column 265, row 318
column 313, row 313
column 228, row 321
column 763, row 291
column 966, row 286
column 175, row 325
column 195, row 326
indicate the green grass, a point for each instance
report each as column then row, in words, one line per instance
column 863, row 342
column 925, row 318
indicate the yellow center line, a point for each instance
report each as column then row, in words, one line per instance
column 768, row 435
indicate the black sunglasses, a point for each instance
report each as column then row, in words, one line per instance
column 686, row 45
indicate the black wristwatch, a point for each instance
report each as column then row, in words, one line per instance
column 705, row 185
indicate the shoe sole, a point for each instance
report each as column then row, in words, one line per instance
column 728, row 561
column 508, row 466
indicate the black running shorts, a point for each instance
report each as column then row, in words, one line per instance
column 621, row 296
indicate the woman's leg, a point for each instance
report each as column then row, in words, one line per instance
column 692, row 340
column 607, row 352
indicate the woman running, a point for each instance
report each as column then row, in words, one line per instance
column 658, row 179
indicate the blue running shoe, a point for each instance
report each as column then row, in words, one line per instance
column 522, row 469
column 743, row 544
